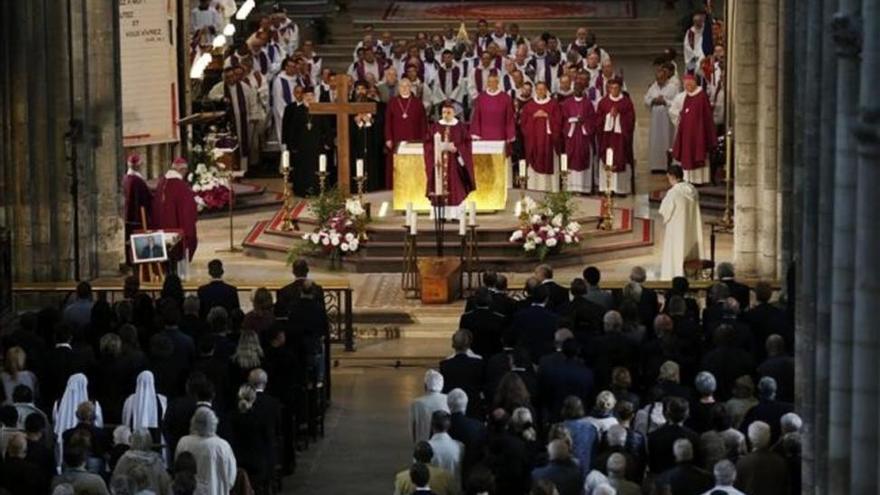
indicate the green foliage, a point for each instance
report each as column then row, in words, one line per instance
column 326, row 205
column 555, row 203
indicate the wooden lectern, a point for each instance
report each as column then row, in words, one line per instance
column 440, row 279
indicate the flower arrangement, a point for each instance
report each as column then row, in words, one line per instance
column 546, row 227
column 211, row 187
column 341, row 226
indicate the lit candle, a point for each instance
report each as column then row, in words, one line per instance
column 563, row 162
column 383, row 210
column 285, row 160
column 359, row 166
column 522, row 168
column 322, row 163
column 409, row 212
column 472, row 213
column 461, row 221
column 413, row 224
column 517, row 211
column 609, row 157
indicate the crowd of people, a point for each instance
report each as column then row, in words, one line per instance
column 181, row 394
column 584, row 391
column 545, row 96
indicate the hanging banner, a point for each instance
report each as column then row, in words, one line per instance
column 148, row 57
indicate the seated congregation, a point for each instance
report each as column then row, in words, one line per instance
column 180, row 394
column 584, row 391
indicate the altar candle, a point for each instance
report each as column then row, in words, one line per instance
column 413, row 224
column 472, row 213
column 383, row 210
column 609, row 157
column 285, row 160
column 461, row 228
column 359, row 165
column 522, row 168
column 517, row 211
column 563, row 162
column 322, row 163
column 409, row 212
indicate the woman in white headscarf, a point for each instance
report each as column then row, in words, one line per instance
column 64, row 412
column 145, row 409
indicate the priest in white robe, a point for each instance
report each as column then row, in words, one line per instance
column 693, row 42
column 215, row 462
column 680, row 211
column 661, row 133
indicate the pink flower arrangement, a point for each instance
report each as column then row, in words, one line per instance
column 342, row 233
column 540, row 234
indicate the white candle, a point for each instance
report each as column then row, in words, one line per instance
column 413, row 224
column 461, row 221
column 285, row 160
column 359, row 166
column 609, row 157
column 409, row 212
column 322, row 163
column 563, row 162
column 383, row 210
column 517, row 211
column 472, row 213
column 522, row 168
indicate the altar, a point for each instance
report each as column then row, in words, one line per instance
column 490, row 171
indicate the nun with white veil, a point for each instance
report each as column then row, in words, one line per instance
column 145, row 409
column 64, row 412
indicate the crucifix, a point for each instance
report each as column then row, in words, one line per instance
column 342, row 108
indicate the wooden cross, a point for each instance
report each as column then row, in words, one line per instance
column 342, row 108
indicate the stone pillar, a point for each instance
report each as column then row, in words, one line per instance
column 36, row 111
column 848, row 40
column 864, row 455
column 745, row 99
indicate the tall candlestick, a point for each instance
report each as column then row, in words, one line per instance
column 359, row 166
column 472, row 213
column 285, row 160
column 563, row 162
column 322, row 163
column 461, row 221
column 409, row 212
column 413, row 223
column 522, row 168
column 609, row 157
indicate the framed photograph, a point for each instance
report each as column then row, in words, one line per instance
column 148, row 247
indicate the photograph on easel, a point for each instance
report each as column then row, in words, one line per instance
column 149, row 247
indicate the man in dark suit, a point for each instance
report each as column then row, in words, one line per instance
column 485, row 325
column 307, row 327
column 217, row 292
column 61, row 362
column 288, row 294
column 501, row 302
column 267, row 408
column 558, row 294
column 611, row 349
column 560, row 378
column 768, row 409
column 199, row 393
column 490, row 280
column 660, row 441
column 765, row 319
column 535, row 325
column 464, row 370
column 562, row 470
column 738, row 291
column 469, row 431
column 727, row 361
column 286, row 371
column 780, row 366
column 581, row 315
column 684, row 476
column 648, row 305
column 184, row 346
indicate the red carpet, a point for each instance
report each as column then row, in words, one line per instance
column 508, row 10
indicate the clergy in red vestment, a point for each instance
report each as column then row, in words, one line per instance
column 405, row 120
column 174, row 206
column 137, row 197
column 578, row 129
column 695, row 136
column 454, row 153
column 616, row 123
column 541, row 124
column 493, row 117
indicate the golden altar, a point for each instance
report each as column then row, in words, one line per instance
column 490, row 171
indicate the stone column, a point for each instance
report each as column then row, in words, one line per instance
column 864, row 456
column 35, row 114
column 848, row 40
